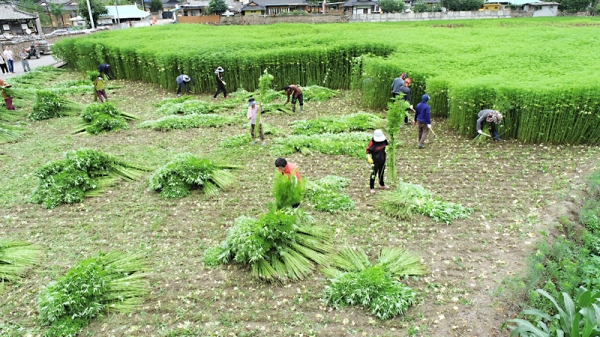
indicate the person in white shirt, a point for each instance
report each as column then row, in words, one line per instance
column 8, row 56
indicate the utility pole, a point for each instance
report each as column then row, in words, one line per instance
column 90, row 13
column 117, row 9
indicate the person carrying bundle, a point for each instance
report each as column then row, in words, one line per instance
column 489, row 116
column 296, row 94
column 182, row 80
column 100, row 91
column 290, row 171
column 7, row 98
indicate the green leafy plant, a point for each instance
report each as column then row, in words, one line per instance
column 360, row 121
column 190, row 121
column 49, row 104
column 325, row 194
column 83, row 173
column 352, row 144
column 15, row 258
column 573, row 318
column 99, row 118
column 395, row 116
column 281, row 245
column 356, row 281
column 244, row 139
column 316, row 93
column 106, row 282
column 265, row 83
column 188, row 107
column 408, row 199
column 288, row 191
column 9, row 133
column 186, row 172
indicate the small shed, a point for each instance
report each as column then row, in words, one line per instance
column 123, row 14
column 274, row 7
column 541, row 8
column 361, row 6
column 17, row 22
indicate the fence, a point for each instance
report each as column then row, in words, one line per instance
column 388, row 17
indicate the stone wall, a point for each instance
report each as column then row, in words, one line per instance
column 387, row 17
column 265, row 20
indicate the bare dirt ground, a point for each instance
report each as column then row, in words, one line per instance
column 516, row 190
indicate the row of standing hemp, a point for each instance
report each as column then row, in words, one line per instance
column 373, row 77
column 328, row 67
column 559, row 116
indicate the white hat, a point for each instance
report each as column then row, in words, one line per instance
column 186, row 78
column 378, row 136
column 251, row 102
column 219, row 70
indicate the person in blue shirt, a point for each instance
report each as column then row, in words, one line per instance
column 423, row 120
column 103, row 69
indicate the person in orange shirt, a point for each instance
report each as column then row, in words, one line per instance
column 290, row 170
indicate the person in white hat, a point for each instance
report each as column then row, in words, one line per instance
column 376, row 157
column 220, row 83
column 492, row 117
column 182, row 80
column 252, row 114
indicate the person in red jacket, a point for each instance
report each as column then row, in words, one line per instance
column 290, row 170
column 376, row 157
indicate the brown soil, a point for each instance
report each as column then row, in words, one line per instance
column 517, row 191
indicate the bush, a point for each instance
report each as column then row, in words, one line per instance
column 104, row 282
column 352, row 144
column 50, row 105
column 325, row 195
column 84, row 172
column 191, row 121
column 392, row 6
column 360, row 121
column 409, row 199
column 355, row 281
column 98, row 118
column 280, row 245
column 186, row 172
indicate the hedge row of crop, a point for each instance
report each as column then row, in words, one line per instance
column 329, row 66
column 529, row 57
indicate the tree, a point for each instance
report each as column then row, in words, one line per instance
column 217, row 6
column 392, row 6
column 462, row 5
column 573, row 6
column 156, row 5
column 420, row 7
column 57, row 11
column 97, row 10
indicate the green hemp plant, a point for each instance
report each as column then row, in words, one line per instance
column 396, row 112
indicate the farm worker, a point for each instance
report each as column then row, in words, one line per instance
column 99, row 87
column 3, row 64
column 376, row 157
column 8, row 55
column 103, row 69
column 7, row 98
column 397, row 83
column 182, row 80
column 220, row 83
column 23, row 55
column 489, row 116
column 296, row 94
column 290, row 170
column 423, row 120
column 252, row 113
column 404, row 89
